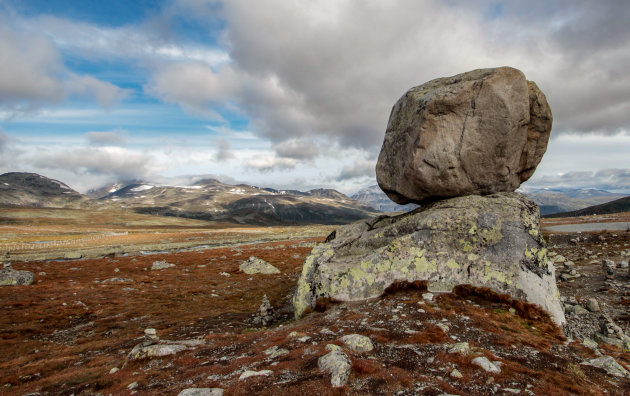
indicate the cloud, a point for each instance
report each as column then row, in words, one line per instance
column 606, row 179
column 332, row 69
column 4, row 139
column 116, row 161
column 194, row 86
column 299, row 149
column 360, row 168
column 33, row 74
column 223, row 152
column 108, row 138
column 269, row 163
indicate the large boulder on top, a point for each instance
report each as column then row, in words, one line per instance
column 479, row 132
column 492, row 241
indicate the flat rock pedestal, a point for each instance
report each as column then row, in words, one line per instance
column 489, row 241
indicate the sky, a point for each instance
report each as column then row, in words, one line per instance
column 291, row 94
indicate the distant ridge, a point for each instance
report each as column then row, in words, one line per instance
column 31, row 189
column 616, row 206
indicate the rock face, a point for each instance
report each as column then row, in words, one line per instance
column 479, row 132
column 492, row 241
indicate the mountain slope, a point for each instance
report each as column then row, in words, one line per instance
column 242, row 204
column 558, row 200
column 617, row 206
column 31, row 189
column 374, row 197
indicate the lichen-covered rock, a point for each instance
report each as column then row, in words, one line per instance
column 492, row 241
column 486, row 364
column 142, row 351
column 358, row 342
column 160, row 265
column 254, row 265
column 609, row 365
column 479, row 132
column 11, row 277
column 201, row 392
column 338, row 365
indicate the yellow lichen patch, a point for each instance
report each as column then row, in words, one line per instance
column 452, row 264
column 472, row 257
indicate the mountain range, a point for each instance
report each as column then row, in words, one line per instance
column 211, row 199
column 207, row 199
column 550, row 201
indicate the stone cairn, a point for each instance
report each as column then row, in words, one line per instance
column 264, row 315
column 459, row 146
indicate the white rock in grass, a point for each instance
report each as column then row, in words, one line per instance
column 338, row 364
column 485, row 364
column 201, row 392
column 250, row 373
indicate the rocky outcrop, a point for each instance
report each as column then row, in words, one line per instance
column 479, row 132
column 492, row 241
column 11, row 277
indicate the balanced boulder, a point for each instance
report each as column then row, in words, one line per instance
column 479, row 132
column 489, row 241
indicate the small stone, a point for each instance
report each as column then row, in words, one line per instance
column 132, row 385
column 427, row 296
column 579, row 310
column 114, row 370
column 159, row 265
column 201, row 392
column 338, row 365
column 273, row 352
column 250, row 373
column 623, row 264
column 224, row 274
column 485, row 364
column 460, row 347
column 592, row 305
column 444, row 327
column 357, row 342
column 456, row 374
column 608, row 263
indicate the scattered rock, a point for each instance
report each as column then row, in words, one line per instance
column 11, row 277
column 579, row 310
column 427, row 296
column 163, row 264
column 254, row 265
column 479, row 132
column 132, row 385
column 456, row 374
column 460, row 347
column 338, row 365
column 608, row 364
column 273, row 352
column 114, row 370
column 201, row 392
column 486, row 364
column 592, row 305
column 148, row 351
column 117, row 280
column 250, row 373
column 357, row 342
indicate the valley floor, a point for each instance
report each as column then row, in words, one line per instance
column 81, row 318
